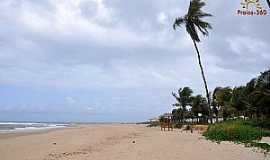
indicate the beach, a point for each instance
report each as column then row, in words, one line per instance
column 119, row 142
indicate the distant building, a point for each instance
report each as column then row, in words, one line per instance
column 154, row 120
column 167, row 115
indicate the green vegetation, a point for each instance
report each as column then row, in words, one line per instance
column 251, row 102
column 239, row 131
column 234, row 130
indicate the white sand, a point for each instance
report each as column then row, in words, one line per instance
column 266, row 140
column 115, row 142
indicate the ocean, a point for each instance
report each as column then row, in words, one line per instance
column 14, row 127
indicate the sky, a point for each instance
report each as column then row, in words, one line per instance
column 118, row 60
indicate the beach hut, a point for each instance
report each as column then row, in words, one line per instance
column 166, row 122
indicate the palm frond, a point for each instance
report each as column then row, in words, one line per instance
column 203, row 26
column 201, row 14
column 195, row 6
column 178, row 22
column 190, row 28
column 193, row 22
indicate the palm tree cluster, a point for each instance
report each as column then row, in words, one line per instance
column 188, row 107
column 251, row 101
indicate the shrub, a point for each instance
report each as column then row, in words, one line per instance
column 238, row 131
column 233, row 131
column 266, row 133
column 263, row 123
column 259, row 123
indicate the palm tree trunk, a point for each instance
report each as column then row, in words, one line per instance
column 204, row 81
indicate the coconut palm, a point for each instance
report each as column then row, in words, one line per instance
column 215, row 103
column 238, row 99
column 223, row 98
column 193, row 23
column 199, row 105
column 183, row 98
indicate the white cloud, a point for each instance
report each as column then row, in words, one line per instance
column 162, row 18
column 80, row 43
column 243, row 44
column 66, row 20
column 90, row 108
column 70, row 100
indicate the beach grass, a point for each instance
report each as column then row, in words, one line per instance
column 238, row 131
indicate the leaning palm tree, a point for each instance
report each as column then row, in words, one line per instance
column 193, row 23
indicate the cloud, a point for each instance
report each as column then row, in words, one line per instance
column 162, row 18
column 240, row 45
column 120, row 53
column 90, row 108
column 59, row 39
column 70, row 100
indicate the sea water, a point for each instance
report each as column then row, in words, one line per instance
column 14, row 127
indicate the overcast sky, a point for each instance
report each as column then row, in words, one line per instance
column 117, row 60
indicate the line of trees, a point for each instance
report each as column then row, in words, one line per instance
column 251, row 101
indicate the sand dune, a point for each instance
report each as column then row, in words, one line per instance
column 119, row 142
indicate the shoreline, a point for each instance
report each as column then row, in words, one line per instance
column 6, row 135
column 29, row 127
